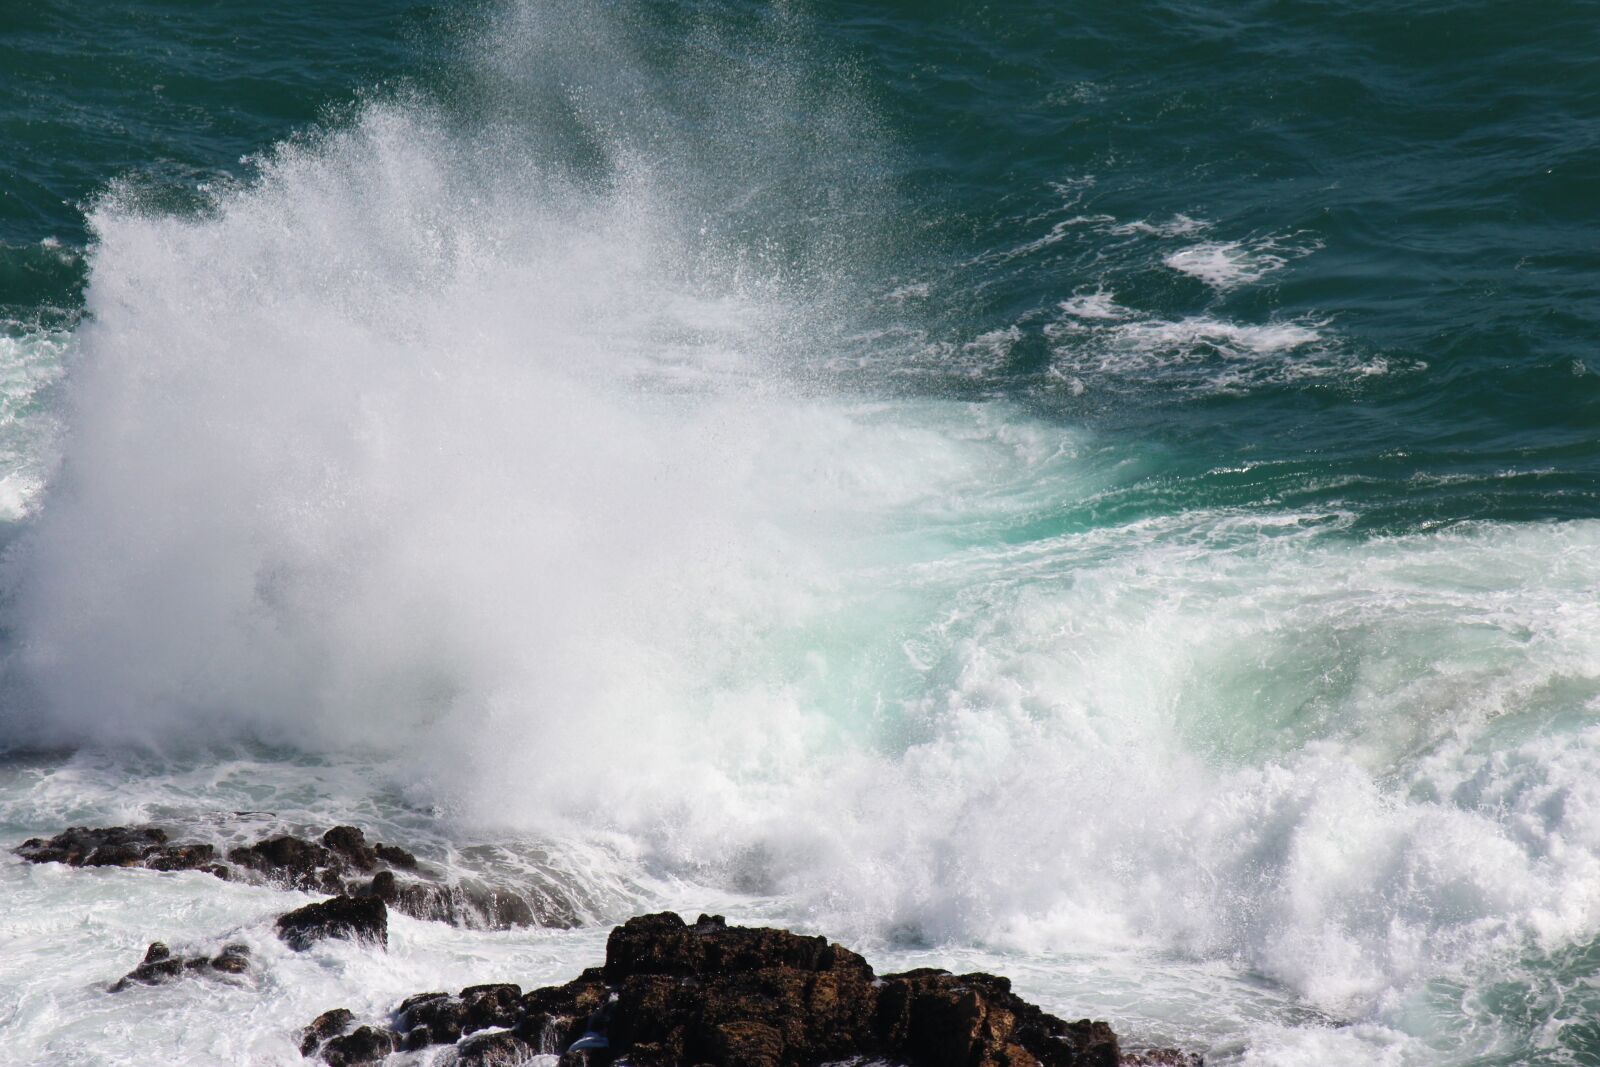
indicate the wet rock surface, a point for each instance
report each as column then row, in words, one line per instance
column 335, row 1036
column 160, row 965
column 120, row 846
column 341, row 863
column 674, row 994
column 329, row 1024
column 366, row 1044
column 354, row 918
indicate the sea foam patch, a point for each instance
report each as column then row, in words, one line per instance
column 1097, row 344
column 1226, row 265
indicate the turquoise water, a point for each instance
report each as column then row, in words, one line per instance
column 1102, row 493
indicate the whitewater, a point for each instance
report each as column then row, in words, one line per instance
column 571, row 477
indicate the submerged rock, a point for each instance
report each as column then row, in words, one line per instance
column 475, row 907
column 355, row 918
column 671, row 994
column 160, row 965
column 342, row 863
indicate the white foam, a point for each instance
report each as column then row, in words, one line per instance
column 1234, row 338
column 70, row 934
column 1059, row 231
column 1226, row 265
column 908, row 292
column 1220, row 737
column 1099, row 344
column 1099, row 304
column 1100, row 223
column 1178, row 226
column 1223, row 264
column 32, row 363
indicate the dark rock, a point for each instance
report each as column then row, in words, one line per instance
column 1161, row 1057
column 328, row 1024
column 440, row 1014
column 120, row 846
column 344, row 863
column 115, row 856
column 395, row 856
column 410, row 1004
column 938, row 1019
column 107, row 846
column 384, row 885
column 653, row 944
column 555, row 1017
column 674, row 995
column 498, row 990
column 417, row 899
column 160, row 965
column 366, row 1044
column 188, row 857
column 294, row 862
column 490, row 1006
column 233, row 959
column 446, row 1018
column 351, row 843
column 493, row 1050
column 472, row 906
column 501, row 909
column 358, row 918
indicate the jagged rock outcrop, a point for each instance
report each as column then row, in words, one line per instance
column 160, row 965
column 354, row 918
column 342, row 863
column 671, row 994
column 121, row 846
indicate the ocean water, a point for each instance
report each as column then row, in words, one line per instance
column 1102, row 493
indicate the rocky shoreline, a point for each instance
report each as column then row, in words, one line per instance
column 668, row 994
column 342, row 863
column 673, row 994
